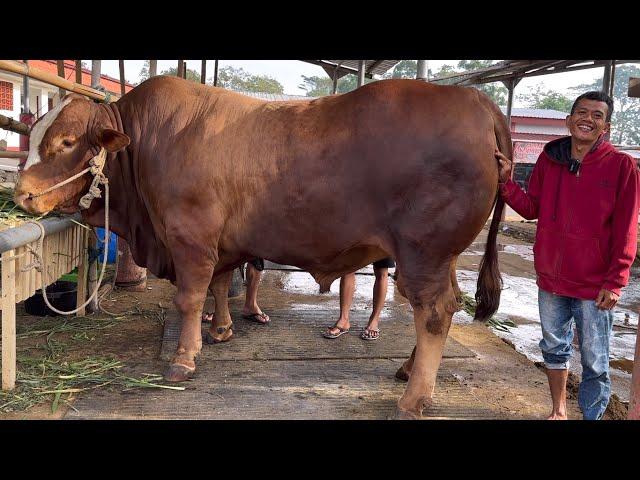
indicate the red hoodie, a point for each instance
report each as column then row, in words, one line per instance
column 586, row 237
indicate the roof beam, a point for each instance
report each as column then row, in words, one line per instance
column 342, row 70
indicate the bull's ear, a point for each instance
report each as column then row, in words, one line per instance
column 112, row 140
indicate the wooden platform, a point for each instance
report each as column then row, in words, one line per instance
column 287, row 370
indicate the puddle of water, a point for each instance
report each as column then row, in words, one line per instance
column 304, row 284
column 524, row 251
column 519, row 302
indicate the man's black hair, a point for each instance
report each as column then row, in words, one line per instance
column 598, row 96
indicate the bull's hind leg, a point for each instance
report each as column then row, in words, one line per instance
column 404, row 371
column 220, row 330
column 194, row 269
column 431, row 295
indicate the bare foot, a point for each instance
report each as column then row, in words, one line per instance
column 557, row 416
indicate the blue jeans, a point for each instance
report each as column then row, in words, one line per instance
column 593, row 325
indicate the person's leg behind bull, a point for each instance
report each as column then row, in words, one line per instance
column 220, row 330
column 250, row 311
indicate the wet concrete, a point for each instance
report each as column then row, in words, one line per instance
column 519, row 304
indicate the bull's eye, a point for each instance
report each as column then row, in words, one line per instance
column 67, row 143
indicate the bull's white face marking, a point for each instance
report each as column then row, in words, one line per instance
column 38, row 132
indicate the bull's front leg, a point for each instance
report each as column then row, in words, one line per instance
column 220, row 330
column 194, row 268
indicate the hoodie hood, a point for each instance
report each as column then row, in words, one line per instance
column 559, row 150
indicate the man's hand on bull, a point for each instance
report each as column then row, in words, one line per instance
column 505, row 166
column 606, row 300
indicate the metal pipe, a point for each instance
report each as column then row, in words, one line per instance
column 606, row 78
column 15, row 237
column 25, row 91
column 361, row 72
column 421, row 74
column 612, row 82
column 95, row 73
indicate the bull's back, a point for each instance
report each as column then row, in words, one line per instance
column 345, row 169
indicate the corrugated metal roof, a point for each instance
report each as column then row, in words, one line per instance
column 375, row 67
column 535, row 113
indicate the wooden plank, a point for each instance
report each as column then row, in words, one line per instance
column 8, row 322
column 82, row 273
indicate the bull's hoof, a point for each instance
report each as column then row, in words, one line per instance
column 212, row 340
column 402, row 414
column 178, row 373
column 402, row 374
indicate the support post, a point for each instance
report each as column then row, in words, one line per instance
column 95, row 73
column 215, row 74
column 122, row 80
column 153, row 68
column 203, row 72
column 180, row 68
column 421, row 74
column 83, row 270
column 361, row 72
column 61, row 91
column 8, row 321
column 92, row 273
column 335, row 81
column 79, row 72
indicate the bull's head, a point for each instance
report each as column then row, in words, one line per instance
column 61, row 144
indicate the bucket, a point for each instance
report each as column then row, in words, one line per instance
column 62, row 295
column 113, row 245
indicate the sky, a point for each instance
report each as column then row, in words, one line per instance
column 289, row 73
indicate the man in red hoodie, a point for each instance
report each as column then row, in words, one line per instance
column 584, row 194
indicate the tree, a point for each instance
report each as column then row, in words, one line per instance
column 494, row 90
column 239, row 80
column 144, row 72
column 625, row 122
column 320, row 86
column 404, row 69
column 548, row 99
column 192, row 75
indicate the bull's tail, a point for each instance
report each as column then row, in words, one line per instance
column 489, row 285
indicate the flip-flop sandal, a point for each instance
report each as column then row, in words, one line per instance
column 370, row 334
column 261, row 318
column 341, row 331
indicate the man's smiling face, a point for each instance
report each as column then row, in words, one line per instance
column 588, row 121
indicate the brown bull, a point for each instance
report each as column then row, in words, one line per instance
column 203, row 179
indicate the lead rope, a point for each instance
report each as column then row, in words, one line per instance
column 97, row 164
